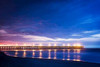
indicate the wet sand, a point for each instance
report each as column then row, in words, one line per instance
column 7, row 61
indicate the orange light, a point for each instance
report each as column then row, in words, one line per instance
column 24, row 44
column 78, row 50
column 49, row 56
column 68, row 59
column 68, row 56
column 33, row 50
column 16, row 44
column 55, row 44
column 24, row 53
column 68, row 44
column 33, row 53
column 78, row 44
column 74, row 44
column 16, row 53
column 40, row 44
column 55, row 54
column 40, row 54
column 40, row 50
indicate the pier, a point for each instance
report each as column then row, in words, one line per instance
column 38, row 47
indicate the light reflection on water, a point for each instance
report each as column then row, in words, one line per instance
column 33, row 53
column 88, row 55
column 68, row 56
column 55, row 54
column 40, row 54
column 64, row 54
column 16, row 53
column 49, row 54
column 76, row 55
column 24, row 53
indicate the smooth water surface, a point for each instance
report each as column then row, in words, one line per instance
column 87, row 55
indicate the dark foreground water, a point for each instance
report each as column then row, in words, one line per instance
column 87, row 55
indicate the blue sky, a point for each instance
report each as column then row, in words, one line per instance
column 51, row 20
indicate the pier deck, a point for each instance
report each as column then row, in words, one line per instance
column 40, row 47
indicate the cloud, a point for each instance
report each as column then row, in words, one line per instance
column 89, row 31
column 95, row 37
column 2, row 31
column 76, row 35
column 89, row 19
column 91, row 39
column 37, row 38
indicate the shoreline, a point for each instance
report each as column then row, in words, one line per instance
column 8, row 61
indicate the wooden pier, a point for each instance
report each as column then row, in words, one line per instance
column 39, row 47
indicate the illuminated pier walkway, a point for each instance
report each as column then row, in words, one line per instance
column 39, row 47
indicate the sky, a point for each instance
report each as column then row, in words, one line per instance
column 65, row 21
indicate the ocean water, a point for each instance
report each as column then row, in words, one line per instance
column 86, row 55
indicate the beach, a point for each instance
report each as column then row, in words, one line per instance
column 8, row 61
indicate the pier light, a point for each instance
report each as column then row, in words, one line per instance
column 16, row 44
column 55, row 44
column 33, row 50
column 24, row 44
column 24, row 50
column 68, row 44
column 74, row 44
column 63, row 44
column 40, row 50
column 49, row 50
column 78, row 44
column 16, row 50
column 33, row 44
column 49, row 44
column 40, row 44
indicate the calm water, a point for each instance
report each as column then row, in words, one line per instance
column 88, row 55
